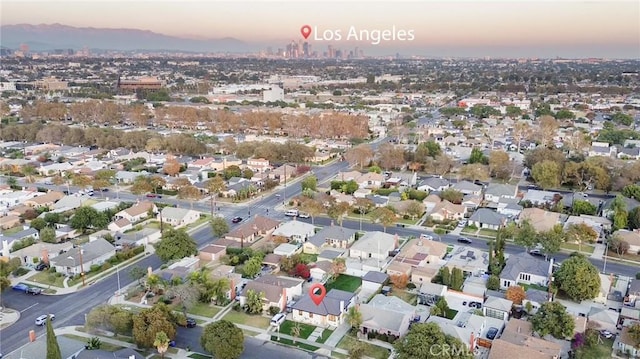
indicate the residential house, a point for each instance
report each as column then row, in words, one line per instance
column 212, row 252
column 509, row 209
column 127, row 177
column 430, row 293
column 536, row 297
column 295, row 231
column 540, row 219
column 466, row 187
column 137, row 212
column 630, row 204
column 224, row 163
column 258, row 165
column 604, row 318
column 331, row 312
column 45, row 200
column 471, row 202
column 386, row 315
column 370, row 180
column 626, row 343
column 446, row 210
column 283, row 173
column 527, row 269
column 236, row 282
column 486, row 218
column 601, row 149
column 81, row 258
column 495, row 192
column 430, row 202
column 433, row 184
column 277, row 291
column 69, row 203
column 126, row 353
column 417, row 253
column 498, row 308
column 287, row 249
column 178, row 217
column 627, row 153
column 540, row 198
column 517, row 337
column 470, row 260
column 69, row 348
column 332, row 236
column 10, row 199
column 374, row 245
column 120, row 225
column 201, row 163
column 257, row 227
column 322, row 270
column 349, row 176
column 373, row 281
column 632, row 238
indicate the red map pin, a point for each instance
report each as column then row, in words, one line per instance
column 305, row 31
column 317, row 293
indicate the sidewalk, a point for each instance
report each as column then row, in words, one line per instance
column 598, row 251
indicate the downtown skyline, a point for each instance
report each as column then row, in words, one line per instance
column 452, row 29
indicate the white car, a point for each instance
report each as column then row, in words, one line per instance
column 278, row 319
column 303, row 215
column 42, row 320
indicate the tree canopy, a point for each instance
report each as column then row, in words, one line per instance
column 427, row 341
column 175, row 244
column 223, row 339
column 149, row 322
column 578, row 278
column 552, row 318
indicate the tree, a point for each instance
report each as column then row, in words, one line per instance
column 452, row 195
column 552, row 240
column 634, row 332
column 38, row 224
column 445, row 275
column 399, row 281
column 583, row 207
column 88, row 217
column 581, row 233
column 441, row 309
column 457, row 279
column 474, row 172
column 313, row 208
column 415, row 209
column 149, row 322
column 252, row 267
column 219, row 226
column 141, row 185
column 175, row 244
column 493, row 283
column 578, row 278
column 53, row 349
column 48, row 235
column 546, row 174
column 137, row 273
column 385, row 216
column 309, row 183
column 81, row 181
column 338, row 211
column 478, row 157
column 428, row 341
column 552, row 318
column 301, row 270
column 171, row 166
column 359, row 155
column 338, row 266
column 186, row 294
column 354, row 317
column 516, row 294
column 357, row 350
column 190, row 192
column 618, row 245
column 161, row 343
column 500, row 165
column 254, row 302
column 223, row 340
column 548, row 128
column 525, row 235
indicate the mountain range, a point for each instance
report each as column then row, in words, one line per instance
column 56, row 36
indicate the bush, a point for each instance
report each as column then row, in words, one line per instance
column 638, row 275
column 411, row 286
column 472, row 226
column 20, row 271
column 274, row 310
column 237, row 307
column 406, row 216
column 105, row 266
column 439, row 231
column 94, row 268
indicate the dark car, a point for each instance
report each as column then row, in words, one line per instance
column 536, row 253
column 236, row 219
column 191, row 323
column 475, row 305
column 492, row 333
column 151, row 195
column 21, row 287
column 34, row 291
column 42, row 266
column 464, row 240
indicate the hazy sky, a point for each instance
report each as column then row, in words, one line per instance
column 605, row 28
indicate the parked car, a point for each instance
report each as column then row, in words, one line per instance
column 151, row 195
column 303, row 215
column 42, row 266
column 464, row 240
column 236, row 220
column 475, row 305
column 291, row 213
column 42, row 320
column 536, row 252
column 492, row 333
column 278, row 319
column 21, row 287
column 191, row 323
column 462, row 223
column 607, row 334
column 34, row 291
column 426, row 237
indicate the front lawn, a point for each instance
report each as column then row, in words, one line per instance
column 304, row 346
column 204, row 310
column 325, row 335
column 305, row 329
column 103, row 345
column 345, row 282
column 48, row 279
column 574, row 247
column 257, row 321
column 370, row 350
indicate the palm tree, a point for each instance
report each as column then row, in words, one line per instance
column 153, row 281
column 214, row 186
column 354, row 317
column 29, row 172
column 12, row 181
column 217, row 289
column 161, row 343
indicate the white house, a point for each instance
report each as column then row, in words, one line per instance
column 137, row 212
column 178, row 217
column 527, row 269
column 75, row 261
column 331, row 312
column 295, row 231
column 374, row 245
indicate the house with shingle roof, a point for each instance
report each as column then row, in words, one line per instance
column 447, row 210
column 248, row 232
column 486, row 218
column 527, row 269
column 431, row 184
column 45, row 200
column 466, row 187
column 178, row 217
column 495, row 192
column 137, row 212
column 331, row 312
column 332, row 236
column 540, row 219
column 277, row 291
column 499, row 308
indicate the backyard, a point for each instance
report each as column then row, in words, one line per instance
column 256, row 321
column 345, row 282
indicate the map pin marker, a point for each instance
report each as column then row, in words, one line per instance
column 305, row 31
column 317, row 293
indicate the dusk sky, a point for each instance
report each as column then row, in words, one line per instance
column 452, row 28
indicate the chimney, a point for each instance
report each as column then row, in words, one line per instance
column 283, row 306
column 5, row 248
column 472, row 342
column 342, row 308
column 396, row 241
column 45, row 255
column 232, row 293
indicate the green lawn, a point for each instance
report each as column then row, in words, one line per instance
column 105, row 346
column 204, row 310
column 305, row 329
column 488, row 232
column 309, row 258
column 257, row 321
column 451, row 313
column 405, row 296
column 469, row 230
column 602, row 350
column 371, row 350
column 325, row 335
column 345, row 282
column 533, row 286
column 13, row 230
column 574, row 247
column 48, row 279
column 304, row 346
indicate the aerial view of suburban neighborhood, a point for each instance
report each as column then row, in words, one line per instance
column 314, row 199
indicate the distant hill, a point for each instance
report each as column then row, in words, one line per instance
column 57, row 36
